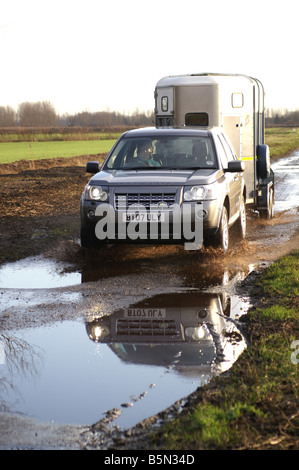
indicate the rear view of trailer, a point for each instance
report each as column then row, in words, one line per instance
column 233, row 102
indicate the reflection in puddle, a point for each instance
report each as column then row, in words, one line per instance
column 37, row 273
column 286, row 182
column 139, row 360
column 175, row 330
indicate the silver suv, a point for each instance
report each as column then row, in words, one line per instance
column 165, row 185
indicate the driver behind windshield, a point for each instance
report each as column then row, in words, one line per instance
column 144, row 155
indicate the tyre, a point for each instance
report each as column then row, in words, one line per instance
column 88, row 237
column 241, row 222
column 222, row 237
column 269, row 212
column 263, row 161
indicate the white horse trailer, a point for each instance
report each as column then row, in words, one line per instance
column 233, row 102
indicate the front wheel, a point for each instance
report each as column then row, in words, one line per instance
column 222, row 237
column 88, row 237
column 241, row 222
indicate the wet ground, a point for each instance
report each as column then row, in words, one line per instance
column 115, row 337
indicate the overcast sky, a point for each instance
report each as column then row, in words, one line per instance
column 94, row 54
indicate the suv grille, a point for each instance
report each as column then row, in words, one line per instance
column 146, row 327
column 141, row 201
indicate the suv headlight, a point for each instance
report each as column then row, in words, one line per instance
column 196, row 193
column 98, row 332
column 96, row 193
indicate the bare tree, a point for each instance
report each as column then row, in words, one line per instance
column 8, row 116
column 281, row 116
column 41, row 113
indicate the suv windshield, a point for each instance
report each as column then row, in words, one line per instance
column 167, row 152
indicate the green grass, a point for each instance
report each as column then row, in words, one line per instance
column 255, row 404
column 281, row 280
column 15, row 151
column 282, row 140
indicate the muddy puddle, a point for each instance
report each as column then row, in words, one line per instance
column 122, row 367
column 286, row 173
column 37, row 273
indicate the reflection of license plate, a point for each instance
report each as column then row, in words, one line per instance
column 145, row 313
column 143, row 217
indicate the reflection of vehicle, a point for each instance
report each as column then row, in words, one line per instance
column 175, row 329
column 193, row 189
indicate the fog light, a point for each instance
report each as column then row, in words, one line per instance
column 202, row 313
column 90, row 215
column 201, row 213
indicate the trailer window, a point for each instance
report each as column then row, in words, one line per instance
column 237, row 100
column 164, row 104
column 197, row 119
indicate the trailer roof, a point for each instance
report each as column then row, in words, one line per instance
column 175, row 131
column 202, row 79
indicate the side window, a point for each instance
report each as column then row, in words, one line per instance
column 120, row 155
column 228, row 148
column 221, row 152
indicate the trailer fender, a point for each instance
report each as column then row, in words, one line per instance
column 263, row 161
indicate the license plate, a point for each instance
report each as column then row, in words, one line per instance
column 145, row 313
column 143, row 217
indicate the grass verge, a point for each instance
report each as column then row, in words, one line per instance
column 255, row 405
column 282, row 140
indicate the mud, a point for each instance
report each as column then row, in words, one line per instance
column 39, row 224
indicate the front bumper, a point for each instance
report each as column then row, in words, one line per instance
column 188, row 221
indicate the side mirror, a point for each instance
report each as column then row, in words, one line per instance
column 92, row 167
column 235, row 166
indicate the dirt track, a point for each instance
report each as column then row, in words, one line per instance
column 39, row 209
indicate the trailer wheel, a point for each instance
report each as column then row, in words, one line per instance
column 263, row 161
column 269, row 212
